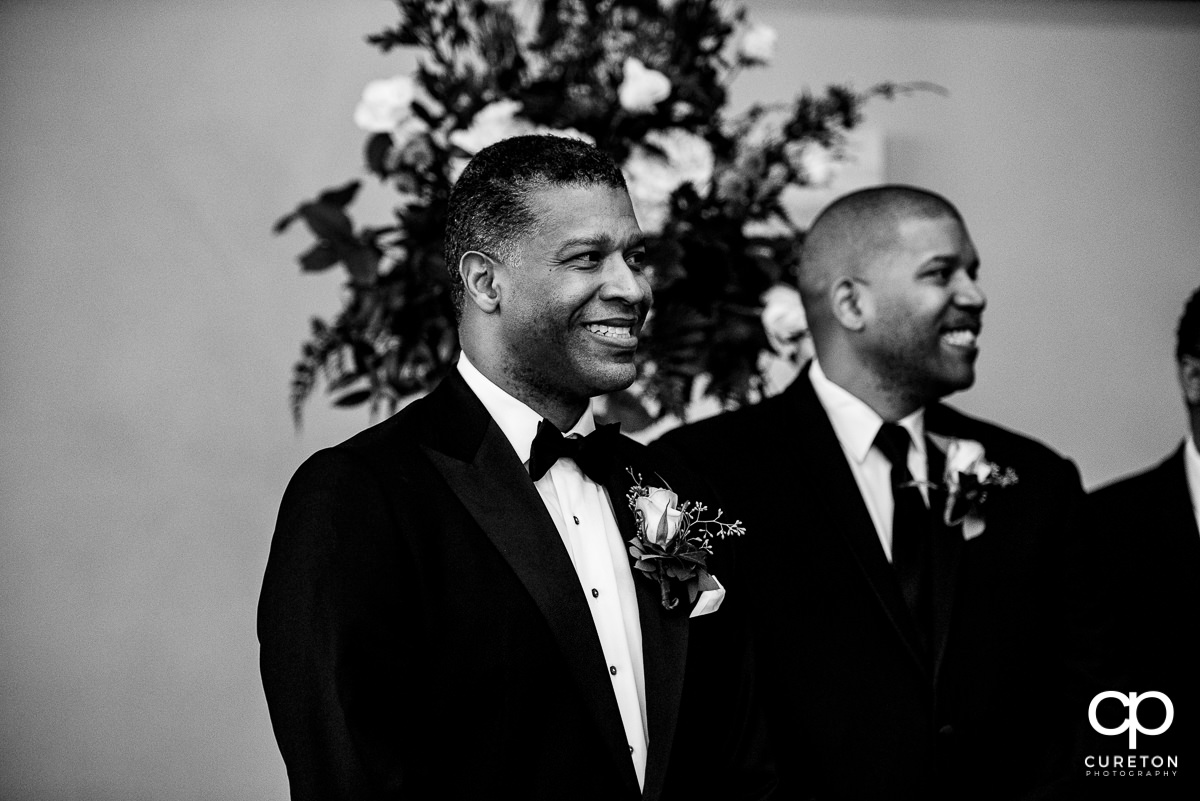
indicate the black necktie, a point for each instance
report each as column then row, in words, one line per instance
column 910, row 527
column 595, row 454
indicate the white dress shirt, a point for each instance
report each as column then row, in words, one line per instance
column 583, row 514
column 856, row 424
column 1191, row 467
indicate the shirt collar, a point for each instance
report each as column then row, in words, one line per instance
column 855, row 423
column 516, row 420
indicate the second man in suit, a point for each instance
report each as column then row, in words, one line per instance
column 911, row 560
column 1145, row 553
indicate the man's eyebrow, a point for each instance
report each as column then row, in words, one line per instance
column 601, row 242
column 947, row 259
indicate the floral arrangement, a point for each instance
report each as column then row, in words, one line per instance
column 645, row 80
column 967, row 478
column 673, row 540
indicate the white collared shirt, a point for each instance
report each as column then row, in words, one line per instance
column 583, row 514
column 1191, row 468
column 856, row 424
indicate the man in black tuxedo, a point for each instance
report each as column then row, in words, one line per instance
column 449, row 609
column 911, row 637
column 1146, row 543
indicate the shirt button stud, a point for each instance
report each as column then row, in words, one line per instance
column 612, row 669
column 631, row 749
column 595, row 593
column 576, row 519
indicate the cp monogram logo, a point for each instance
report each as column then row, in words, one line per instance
column 1131, row 722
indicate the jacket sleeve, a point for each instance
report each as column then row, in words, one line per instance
column 333, row 668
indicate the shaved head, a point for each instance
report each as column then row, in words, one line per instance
column 889, row 279
column 852, row 233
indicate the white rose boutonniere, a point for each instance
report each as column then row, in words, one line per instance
column 673, row 543
column 967, row 479
column 659, row 511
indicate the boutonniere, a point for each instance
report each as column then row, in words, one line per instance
column 674, row 540
column 967, row 479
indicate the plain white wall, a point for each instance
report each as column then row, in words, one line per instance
column 148, row 319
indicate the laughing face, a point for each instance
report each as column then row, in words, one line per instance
column 924, row 310
column 573, row 303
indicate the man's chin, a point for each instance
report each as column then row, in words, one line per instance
column 612, row 378
column 957, row 383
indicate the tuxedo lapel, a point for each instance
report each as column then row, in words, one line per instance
column 664, row 648
column 827, row 477
column 479, row 464
column 946, row 556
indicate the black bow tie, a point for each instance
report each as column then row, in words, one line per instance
column 595, row 454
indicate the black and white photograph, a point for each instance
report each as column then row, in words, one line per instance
column 599, row 400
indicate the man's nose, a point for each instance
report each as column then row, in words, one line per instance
column 968, row 293
column 624, row 283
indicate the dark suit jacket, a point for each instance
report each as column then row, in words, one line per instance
column 1145, row 550
column 424, row 634
column 856, row 710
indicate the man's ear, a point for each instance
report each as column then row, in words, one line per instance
column 1189, row 379
column 848, row 304
column 478, row 273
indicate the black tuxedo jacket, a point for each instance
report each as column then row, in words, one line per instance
column 1145, row 550
column 857, row 708
column 424, row 634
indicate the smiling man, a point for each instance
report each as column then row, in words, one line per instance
column 450, row 610
column 910, row 559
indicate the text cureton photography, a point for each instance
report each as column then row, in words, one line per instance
column 1125, row 765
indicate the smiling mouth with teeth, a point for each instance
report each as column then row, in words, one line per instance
column 961, row 337
column 611, row 330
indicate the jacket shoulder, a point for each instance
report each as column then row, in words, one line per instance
column 725, row 430
column 387, row 434
column 943, row 419
column 1136, row 486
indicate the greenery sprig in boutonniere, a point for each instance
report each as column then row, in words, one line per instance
column 967, row 479
column 674, row 540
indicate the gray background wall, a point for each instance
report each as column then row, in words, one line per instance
column 148, row 319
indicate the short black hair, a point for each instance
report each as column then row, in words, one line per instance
column 1187, row 338
column 487, row 211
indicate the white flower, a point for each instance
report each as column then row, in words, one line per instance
column 757, row 45
column 783, row 319
column 762, row 132
column 408, row 132
column 770, row 228
column 660, row 514
column 496, row 122
column 491, row 124
column 456, row 166
column 652, row 178
column 642, row 88
column 385, row 104
column 819, row 164
column 965, row 457
column 565, row 133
